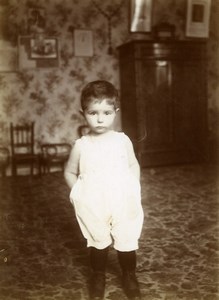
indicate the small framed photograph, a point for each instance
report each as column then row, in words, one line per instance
column 140, row 15
column 83, row 42
column 8, row 57
column 198, row 15
column 29, row 58
column 43, row 47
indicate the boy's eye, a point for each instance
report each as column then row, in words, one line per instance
column 92, row 113
column 108, row 112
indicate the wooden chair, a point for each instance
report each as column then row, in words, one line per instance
column 22, row 147
column 54, row 155
column 4, row 160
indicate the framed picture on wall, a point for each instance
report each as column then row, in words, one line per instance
column 8, row 57
column 83, row 42
column 43, row 48
column 31, row 56
column 197, row 21
column 140, row 15
column 8, row 42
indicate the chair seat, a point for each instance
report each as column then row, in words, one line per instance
column 26, row 159
column 23, row 156
column 57, row 158
column 55, row 154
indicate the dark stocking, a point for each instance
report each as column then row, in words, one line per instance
column 98, row 259
column 127, row 260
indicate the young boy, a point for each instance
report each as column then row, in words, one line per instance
column 104, row 176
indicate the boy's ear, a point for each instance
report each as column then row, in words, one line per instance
column 117, row 109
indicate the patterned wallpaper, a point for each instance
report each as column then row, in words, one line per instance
column 50, row 96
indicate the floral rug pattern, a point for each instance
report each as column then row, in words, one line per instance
column 44, row 257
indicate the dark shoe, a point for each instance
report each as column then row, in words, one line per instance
column 131, row 286
column 97, row 286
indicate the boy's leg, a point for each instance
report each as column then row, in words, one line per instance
column 127, row 261
column 98, row 261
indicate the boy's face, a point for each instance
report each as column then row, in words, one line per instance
column 100, row 116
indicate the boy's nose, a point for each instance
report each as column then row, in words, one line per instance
column 100, row 118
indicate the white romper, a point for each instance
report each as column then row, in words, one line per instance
column 106, row 195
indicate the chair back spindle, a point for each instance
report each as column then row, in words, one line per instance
column 22, row 146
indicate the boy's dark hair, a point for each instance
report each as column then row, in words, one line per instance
column 99, row 90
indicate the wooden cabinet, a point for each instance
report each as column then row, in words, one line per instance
column 164, row 100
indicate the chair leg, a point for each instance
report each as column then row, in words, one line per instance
column 39, row 168
column 31, row 169
column 14, row 169
column 3, row 172
column 44, row 167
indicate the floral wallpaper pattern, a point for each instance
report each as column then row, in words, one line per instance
column 50, row 96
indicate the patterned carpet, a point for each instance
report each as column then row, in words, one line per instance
column 44, row 257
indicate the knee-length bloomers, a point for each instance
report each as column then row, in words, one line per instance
column 106, row 195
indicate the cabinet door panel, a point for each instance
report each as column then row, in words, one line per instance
column 156, row 104
column 190, row 111
column 128, row 103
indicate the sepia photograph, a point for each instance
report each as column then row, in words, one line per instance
column 109, row 150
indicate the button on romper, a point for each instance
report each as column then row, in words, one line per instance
column 106, row 195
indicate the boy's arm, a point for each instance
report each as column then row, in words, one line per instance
column 72, row 167
column 133, row 163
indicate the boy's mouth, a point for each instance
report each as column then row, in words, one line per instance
column 100, row 128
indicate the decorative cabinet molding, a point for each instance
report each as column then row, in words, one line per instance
column 164, row 100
